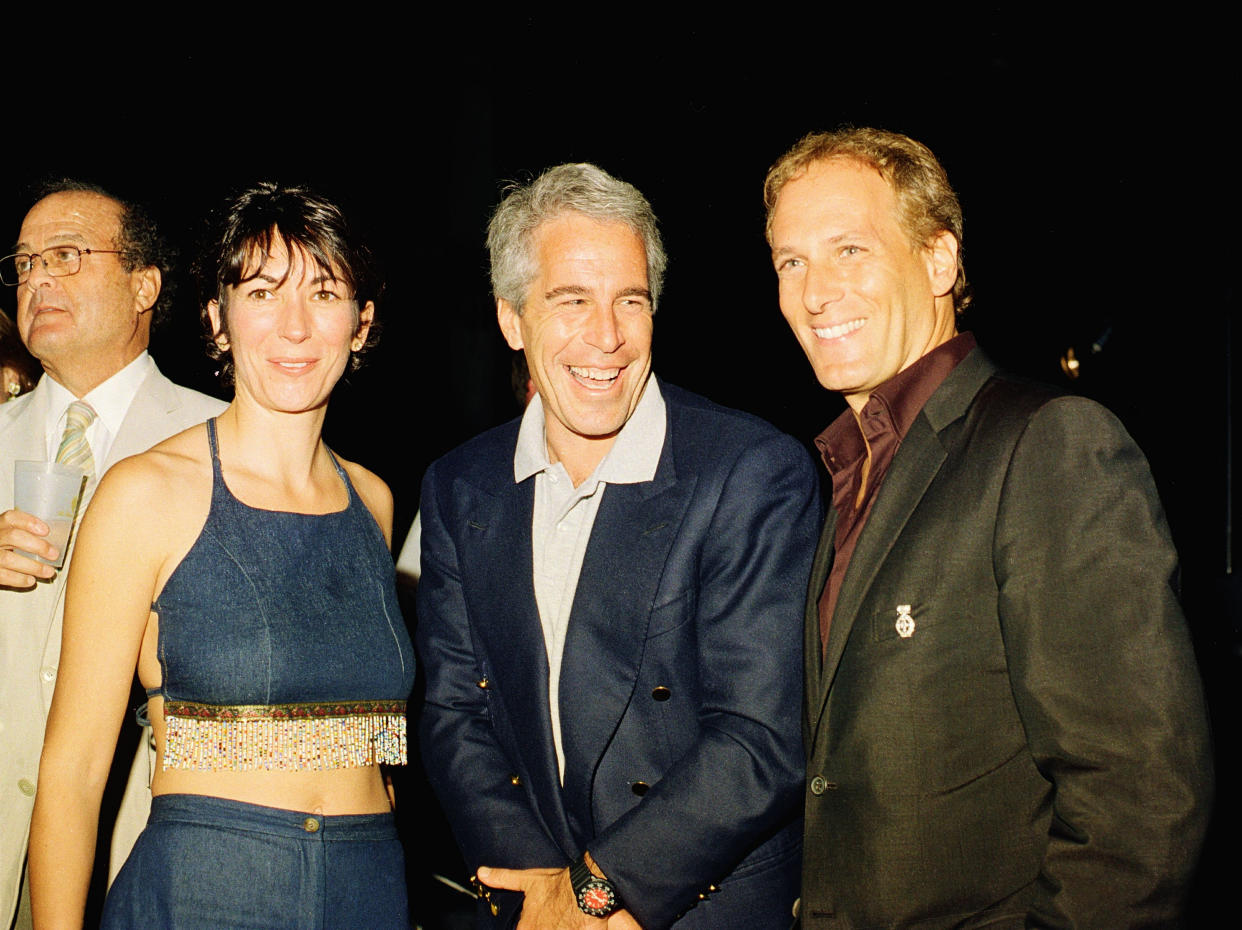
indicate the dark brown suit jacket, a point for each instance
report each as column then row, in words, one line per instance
column 1007, row 725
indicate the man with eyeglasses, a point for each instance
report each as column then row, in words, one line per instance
column 86, row 274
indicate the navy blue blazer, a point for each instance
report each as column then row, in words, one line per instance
column 680, row 686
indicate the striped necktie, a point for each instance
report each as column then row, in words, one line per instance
column 74, row 449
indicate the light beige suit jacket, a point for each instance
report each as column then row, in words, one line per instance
column 30, row 623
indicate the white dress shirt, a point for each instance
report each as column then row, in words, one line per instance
column 109, row 400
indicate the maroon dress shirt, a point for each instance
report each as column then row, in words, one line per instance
column 858, row 448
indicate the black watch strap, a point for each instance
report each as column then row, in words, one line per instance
column 596, row 897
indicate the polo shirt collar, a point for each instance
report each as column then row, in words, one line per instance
column 633, row 458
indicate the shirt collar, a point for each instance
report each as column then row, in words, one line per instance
column 109, row 400
column 894, row 404
column 634, row 455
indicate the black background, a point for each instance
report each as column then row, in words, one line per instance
column 1092, row 159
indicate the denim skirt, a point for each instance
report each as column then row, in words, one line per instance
column 209, row 862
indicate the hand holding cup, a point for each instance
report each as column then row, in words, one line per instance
column 46, row 497
column 20, row 534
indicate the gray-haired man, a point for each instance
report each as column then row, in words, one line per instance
column 610, row 602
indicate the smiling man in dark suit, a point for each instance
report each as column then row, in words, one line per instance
column 1004, row 721
column 610, row 605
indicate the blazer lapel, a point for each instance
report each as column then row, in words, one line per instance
column 21, row 436
column 911, row 471
column 146, row 421
column 624, row 563
column 913, row 468
column 501, row 591
column 813, row 649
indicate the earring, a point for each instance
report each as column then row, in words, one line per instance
column 356, row 345
column 222, row 342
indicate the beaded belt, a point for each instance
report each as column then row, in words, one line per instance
column 285, row 737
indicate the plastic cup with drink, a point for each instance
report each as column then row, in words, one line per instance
column 51, row 492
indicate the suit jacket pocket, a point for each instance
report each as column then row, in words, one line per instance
column 904, row 620
column 672, row 614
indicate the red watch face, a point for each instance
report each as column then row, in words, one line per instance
column 596, row 899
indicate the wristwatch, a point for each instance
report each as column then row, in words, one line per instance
column 596, row 896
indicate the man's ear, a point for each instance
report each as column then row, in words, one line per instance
column 942, row 262
column 147, row 290
column 510, row 323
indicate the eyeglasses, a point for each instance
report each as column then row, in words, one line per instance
column 59, row 261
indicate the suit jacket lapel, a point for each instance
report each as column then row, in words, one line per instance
column 913, row 468
column 813, row 651
column 155, row 401
column 22, row 436
column 911, row 471
column 501, row 591
column 621, row 573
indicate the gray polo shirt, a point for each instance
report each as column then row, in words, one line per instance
column 564, row 515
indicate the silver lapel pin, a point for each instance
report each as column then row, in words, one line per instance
column 905, row 623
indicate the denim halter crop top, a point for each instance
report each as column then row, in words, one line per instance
column 281, row 644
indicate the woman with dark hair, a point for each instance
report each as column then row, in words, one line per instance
column 254, row 594
column 19, row 370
